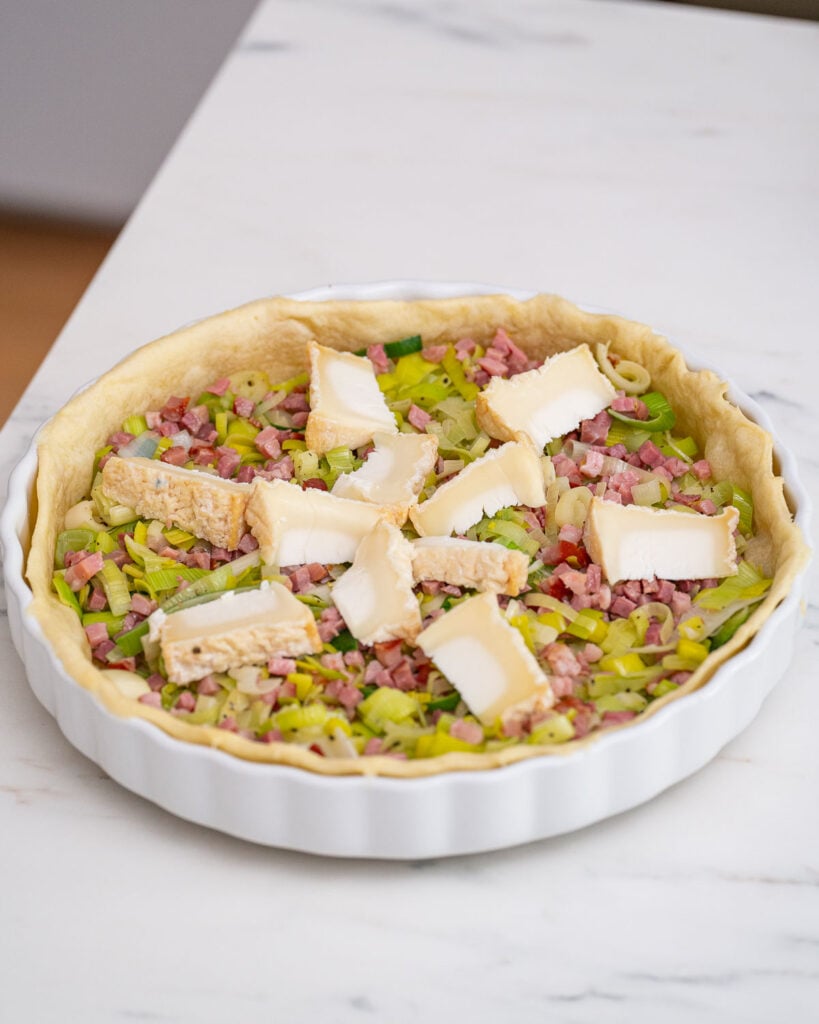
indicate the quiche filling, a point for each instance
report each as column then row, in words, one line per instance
column 409, row 551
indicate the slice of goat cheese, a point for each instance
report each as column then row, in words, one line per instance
column 394, row 472
column 294, row 526
column 375, row 595
column 545, row 403
column 235, row 630
column 635, row 542
column 485, row 659
column 346, row 403
column 509, row 475
column 479, row 565
column 201, row 503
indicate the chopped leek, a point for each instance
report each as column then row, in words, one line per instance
column 73, row 540
column 747, row 583
column 115, row 584
column 661, row 415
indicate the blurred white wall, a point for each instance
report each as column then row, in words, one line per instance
column 94, row 92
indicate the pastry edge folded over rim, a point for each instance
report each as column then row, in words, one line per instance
column 272, row 335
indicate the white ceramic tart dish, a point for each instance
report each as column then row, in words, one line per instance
column 286, row 796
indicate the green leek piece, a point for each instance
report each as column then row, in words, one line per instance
column 168, row 579
column 623, row 664
column 515, row 534
column 661, row 415
column 448, row 703
column 340, row 460
column 663, row 687
column 556, row 729
column 404, row 347
column 65, row 593
column 135, row 425
column 386, row 705
column 454, row 370
column 252, row 384
column 621, row 433
column 589, row 625
column 727, row 629
column 79, row 539
column 748, row 583
column 112, row 622
column 345, row 641
column 684, row 448
column 115, row 584
column 296, row 717
column 179, row 538
column 628, row 700
column 214, row 582
column 744, row 504
column 130, row 643
column 437, row 743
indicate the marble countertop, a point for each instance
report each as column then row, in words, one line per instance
column 652, row 159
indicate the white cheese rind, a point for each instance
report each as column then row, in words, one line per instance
column 375, row 594
column 545, row 403
column 480, row 565
column 633, row 542
column 294, row 526
column 202, row 504
column 393, row 474
column 346, row 404
column 509, row 475
column 485, row 659
column 235, row 630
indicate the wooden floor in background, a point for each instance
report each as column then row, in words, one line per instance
column 44, row 269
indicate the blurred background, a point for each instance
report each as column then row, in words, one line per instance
column 93, row 94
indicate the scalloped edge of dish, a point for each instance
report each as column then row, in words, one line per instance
column 441, row 815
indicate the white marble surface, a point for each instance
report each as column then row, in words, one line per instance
column 657, row 160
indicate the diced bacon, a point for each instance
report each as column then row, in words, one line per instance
column 562, row 686
column 550, row 555
column 435, row 353
column 208, row 686
column 354, row 659
column 174, row 408
column 273, row 736
column 247, row 544
column 142, row 605
column 617, row 451
column 595, row 431
column 613, row 717
column 630, row 406
column 156, row 681
column 564, row 466
column 345, row 693
column 281, row 666
column 479, row 377
column 207, row 433
column 195, row 418
column 515, row 358
column 153, row 418
column 388, row 653
column 680, row 677
column 602, row 599
column 316, row 483
column 281, row 470
column 300, row 578
column 650, row 454
column 317, row 571
column 229, row 724
column 378, row 357
column 185, row 702
column 267, row 442
column 706, row 506
column 653, row 633
column 581, row 601
column 104, row 648
column 592, row 653
column 680, row 604
column 97, row 600
column 245, row 474
column 632, row 589
column 594, row 578
column 243, row 406
column 219, row 387
column 622, row 607
column 228, row 463
column 665, row 591
column 334, row 661
column 402, row 675
column 299, row 419
column 614, row 496
column 296, row 401
column 119, row 557
column 469, row 732
column 330, row 624
column 78, row 574
column 493, row 366
column 176, row 456
column 574, row 580
column 198, row 559
column 127, row 664
column 119, row 438
column 676, row 467
column 701, row 469
column 418, row 418
column 373, row 746
column 372, row 671
column 204, row 456
column 152, row 699
column 97, row 633
column 169, row 552
column 592, row 464
column 465, row 347
column 220, row 555
column 562, row 660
